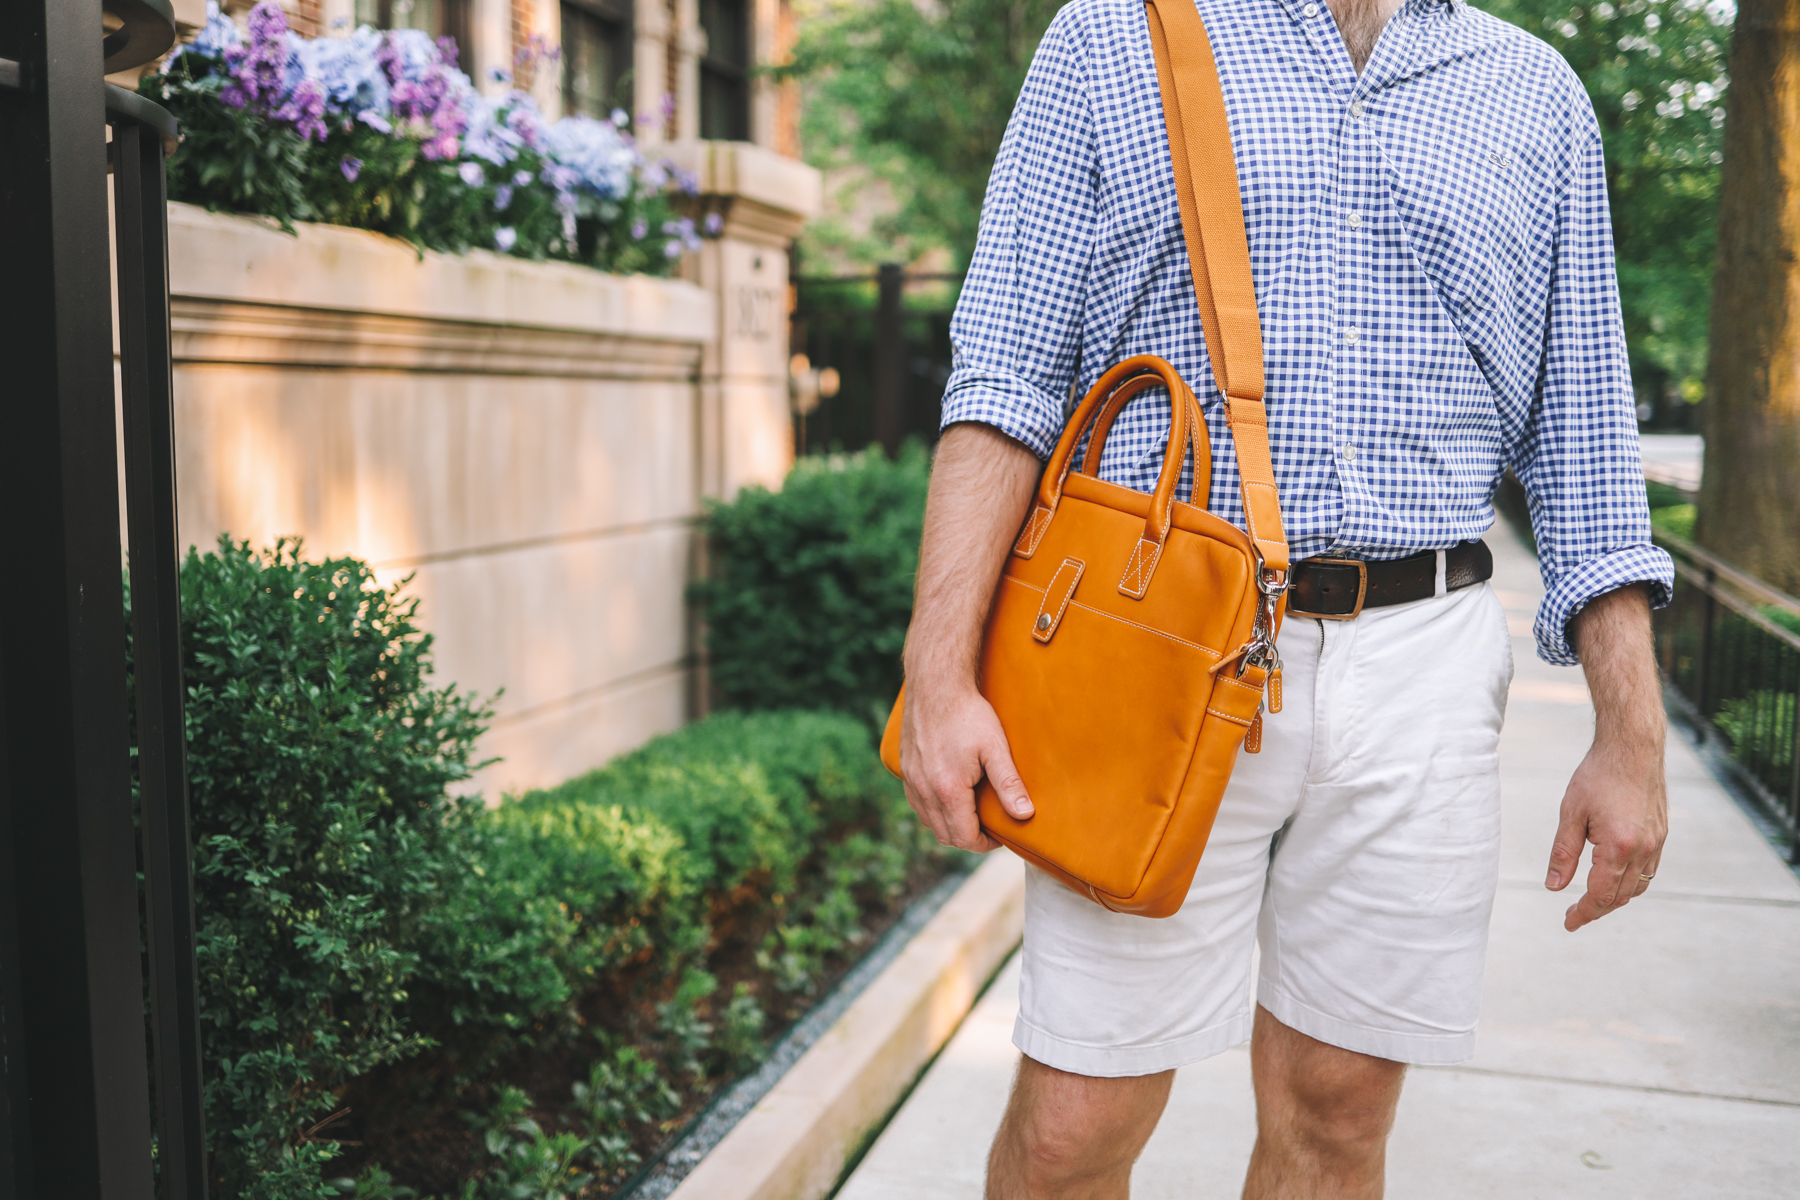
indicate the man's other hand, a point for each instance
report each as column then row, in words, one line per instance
column 1616, row 799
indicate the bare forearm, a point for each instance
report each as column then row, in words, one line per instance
column 1612, row 636
column 981, row 482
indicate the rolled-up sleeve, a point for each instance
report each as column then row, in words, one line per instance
column 1579, row 458
column 1018, row 321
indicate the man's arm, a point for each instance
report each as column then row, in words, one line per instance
column 981, row 482
column 1616, row 799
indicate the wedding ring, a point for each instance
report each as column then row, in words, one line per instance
column 1646, row 878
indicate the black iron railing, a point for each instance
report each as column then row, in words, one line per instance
column 887, row 357
column 1730, row 647
column 82, row 947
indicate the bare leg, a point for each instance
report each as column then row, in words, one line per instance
column 1073, row 1137
column 1322, row 1117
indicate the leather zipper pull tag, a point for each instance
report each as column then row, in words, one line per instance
column 1253, row 739
column 1275, row 690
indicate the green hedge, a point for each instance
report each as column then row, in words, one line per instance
column 367, row 941
column 811, row 587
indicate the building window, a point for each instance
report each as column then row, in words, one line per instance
column 439, row 18
column 725, row 70
column 596, row 56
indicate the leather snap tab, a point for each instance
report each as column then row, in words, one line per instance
column 1056, row 599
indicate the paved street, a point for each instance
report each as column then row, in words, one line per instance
column 1653, row 1055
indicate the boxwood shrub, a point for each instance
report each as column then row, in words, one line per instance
column 810, row 588
column 378, row 957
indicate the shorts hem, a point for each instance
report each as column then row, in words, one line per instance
column 1117, row 1062
column 1414, row 1049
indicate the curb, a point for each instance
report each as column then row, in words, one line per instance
column 793, row 1145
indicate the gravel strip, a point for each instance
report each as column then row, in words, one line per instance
column 666, row 1173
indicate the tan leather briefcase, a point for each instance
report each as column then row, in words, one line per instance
column 1131, row 639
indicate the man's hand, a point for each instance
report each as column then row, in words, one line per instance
column 947, row 744
column 981, row 481
column 1616, row 799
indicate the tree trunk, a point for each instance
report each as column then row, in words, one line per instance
column 1750, row 495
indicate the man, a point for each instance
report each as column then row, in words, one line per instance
column 1425, row 204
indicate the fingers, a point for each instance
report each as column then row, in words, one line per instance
column 1617, row 876
column 1565, row 851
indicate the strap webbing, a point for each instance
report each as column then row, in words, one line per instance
column 1212, row 220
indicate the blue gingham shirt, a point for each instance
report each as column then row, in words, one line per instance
column 1433, row 263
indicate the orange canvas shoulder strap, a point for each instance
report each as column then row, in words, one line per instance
column 1212, row 220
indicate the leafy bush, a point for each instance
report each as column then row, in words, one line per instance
column 351, row 915
column 318, row 762
column 811, row 586
column 381, row 131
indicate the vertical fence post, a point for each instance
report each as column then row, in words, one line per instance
column 890, row 359
column 72, row 1048
column 140, row 216
column 1793, row 796
column 1703, row 656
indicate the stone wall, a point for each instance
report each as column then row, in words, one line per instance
column 528, row 441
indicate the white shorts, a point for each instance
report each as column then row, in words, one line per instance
column 1360, row 849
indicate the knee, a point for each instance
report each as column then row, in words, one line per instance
column 1344, row 1127
column 1050, row 1156
column 1342, row 1118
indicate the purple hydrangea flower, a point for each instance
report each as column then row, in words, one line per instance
column 504, row 238
column 672, row 249
column 715, row 225
column 522, row 179
column 375, row 121
column 305, row 110
column 503, row 197
column 472, row 174
column 258, row 68
column 351, row 167
column 640, row 230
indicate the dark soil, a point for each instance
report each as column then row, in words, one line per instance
column 430, row 1146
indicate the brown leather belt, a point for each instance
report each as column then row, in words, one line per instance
column 1336, row 589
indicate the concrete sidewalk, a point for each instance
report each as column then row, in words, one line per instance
column 1655, row 1054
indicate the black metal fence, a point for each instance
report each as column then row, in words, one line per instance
column 1730, row 646
column 881, row 345
column 83, row 948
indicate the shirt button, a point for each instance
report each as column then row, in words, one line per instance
column 1352, row 336
column 1354, row 220
column 1356, row 109
column 1349, row 452
column 1310, row 11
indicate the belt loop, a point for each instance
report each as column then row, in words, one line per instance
column 1441, row 587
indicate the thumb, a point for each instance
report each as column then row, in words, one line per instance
column 1565, row 851
column 996, row 761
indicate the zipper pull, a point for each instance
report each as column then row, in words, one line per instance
column 1253, row 739
column 1275, row 689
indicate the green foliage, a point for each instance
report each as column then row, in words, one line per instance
column 811, row 587
column 352, row 915
column 1655, row 71
column 525, row 1162
column 1761, row 728
column 318, row 762
column 917, row 96
column 1677, row 519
